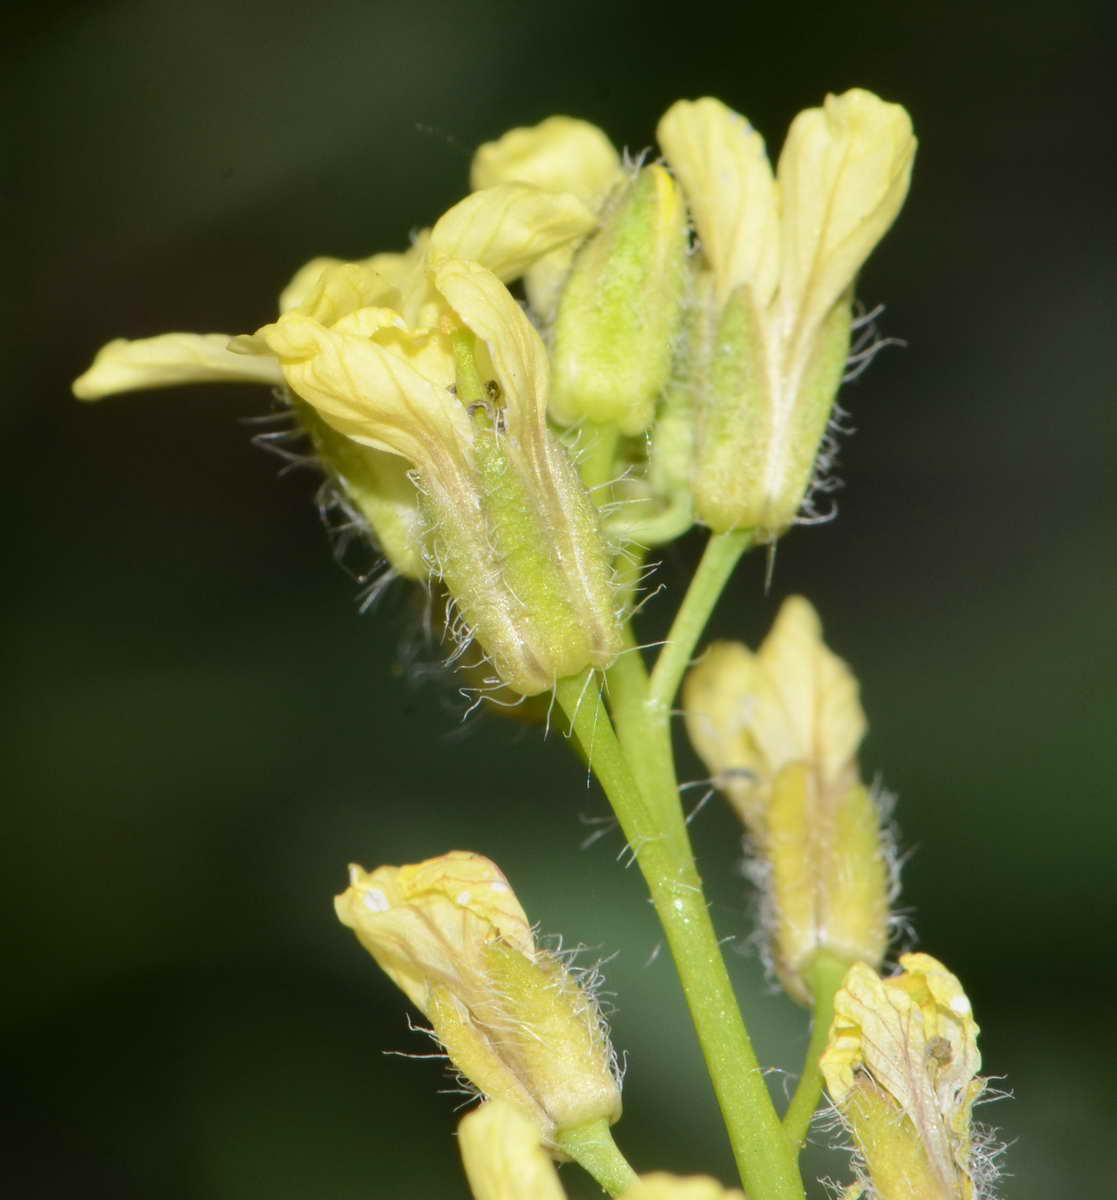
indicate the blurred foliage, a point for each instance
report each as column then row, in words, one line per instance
column 203, row 731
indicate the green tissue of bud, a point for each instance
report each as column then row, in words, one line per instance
column 660, row 506
column 620, row 311
column 557, row 1041
column 828, row 877
column 760, row 429
column 520, row 549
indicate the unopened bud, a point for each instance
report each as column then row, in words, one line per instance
column 510, row 1015
column 513, row 533
column 779, row 731
column 785, row 250
column 621, row 308
column 657, row 503
column 560, row 154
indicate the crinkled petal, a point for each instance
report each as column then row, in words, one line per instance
column 428, row 924
column 723, row 167
column 509, row 227
column 342, row 288
column 915, row 1036
column 367, row 389
column 843, row 175
column 304, row 281
column 385, row 278
column 503, row 1156
column 560, row 154
column 169, row 360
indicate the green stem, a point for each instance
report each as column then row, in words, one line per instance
column 592, row 1148
column 722, row 553
column 762, row 1152
column 598, row 461
column 824, row 978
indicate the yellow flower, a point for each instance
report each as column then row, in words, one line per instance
column 464, row 399
column 779, row 731
column 901, row 1067
column 503, row 1156
column 613, row 303
column 507, row 228
column 511, row 1017
column 784, row 251
column 373, row 484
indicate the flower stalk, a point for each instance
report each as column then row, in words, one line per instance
column 657, row 837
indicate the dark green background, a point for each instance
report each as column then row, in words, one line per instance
column 203, row 731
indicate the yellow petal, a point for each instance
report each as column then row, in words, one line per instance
column 366, row 387
column 304, row 281
column 661, row 1186
column 509, row 227
column 793, row 701
column 327, row 290
column 721, row 696
column 384, row 279
column 722, row 164
column 561, row 154
column 818, row 716
column 169, row 360
column 343, row 288
column 427, row 924
column 843, row 175
column 503, row 1156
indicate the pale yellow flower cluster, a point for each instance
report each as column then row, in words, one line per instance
column 427, row 391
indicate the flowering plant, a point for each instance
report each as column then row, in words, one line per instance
column 687, row 325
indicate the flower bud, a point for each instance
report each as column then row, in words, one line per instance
column 620, row 310
column 901, row 1067
column 656, row 504
column 779, row 731
column 510, row 1015
column 514, row 535
column 785, row 254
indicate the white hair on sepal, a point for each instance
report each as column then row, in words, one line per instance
column 867, row 343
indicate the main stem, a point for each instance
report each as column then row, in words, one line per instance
column 760, row 1147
